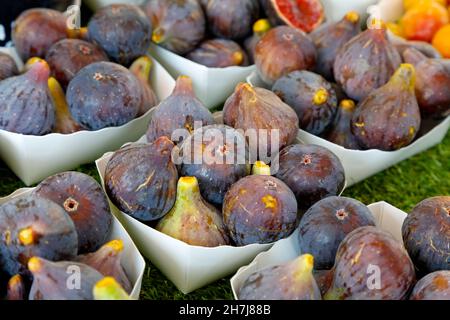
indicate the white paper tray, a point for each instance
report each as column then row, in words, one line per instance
column 387, row 217
column 360, row 165
column 33, row 158
column 132, row 260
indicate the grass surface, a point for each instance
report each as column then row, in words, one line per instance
column 404, row 185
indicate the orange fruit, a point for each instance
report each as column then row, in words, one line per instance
column 441, row 41
column 423, row 20
column 408, row 4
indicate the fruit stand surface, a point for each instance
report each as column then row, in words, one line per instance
column 404, row 185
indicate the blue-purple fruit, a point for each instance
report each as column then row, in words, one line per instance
column 340, row 131
column 434, row 286
column 8, row 67
column 219, row 53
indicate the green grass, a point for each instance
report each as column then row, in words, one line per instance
column 404, row 185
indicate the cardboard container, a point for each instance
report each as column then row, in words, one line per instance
column 188, row 267
column 33, row 158
column 336, row 9
column 360, row 165
column 132, row 260
column 387, row 218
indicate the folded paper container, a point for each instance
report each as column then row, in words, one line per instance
column 132, row 261
column 33, row 158
column 360, row 165
column 387, row 218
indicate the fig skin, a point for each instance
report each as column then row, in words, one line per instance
column 178, row 25
column 389, row 118
column 52, row 280
column 340, row 132
column 68, row 56
column 34, row 226
column 283, row 50
column 104, row 94
column 109, row 289
column 432, row 82
column 329, row 38
column 16, row 289
column 141, row 68
column 215, row 174
column 360, row 253
column 123, row 31
column 365, row 63
column 312, row 172
column 36, row 30
column 292, row 280
column 181, row 110
column 232, row 19
column 251, row 108
column 25, row 102
column 325, row 225
column 107, row 261
column 141, row 180
column 324, row 279
column 426, row 234
column 219, row 53
column 434, row 286
column 83, row 199
column 312, row 98
column 259, row 209
column 193, row 220
column 8, row 67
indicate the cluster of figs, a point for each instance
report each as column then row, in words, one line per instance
column 344, row 256
column 56, row 238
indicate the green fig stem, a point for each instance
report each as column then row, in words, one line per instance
column 184, row 86
column 261, row 26
column 304, row 267
column 141, row 68
column 333, row 294
column 109, row 289
column 405, row 77
column 261, row 169
column 187, row 190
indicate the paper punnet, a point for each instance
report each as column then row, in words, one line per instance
column 387, row 218
column 360, row 165
column 33, row 158
column 132, row 260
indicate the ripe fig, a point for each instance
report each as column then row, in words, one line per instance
column 340, row 131
column 179, row 111
column 64, row 122
column 329, row 38
column 109, row 289
column 312, row 98
column 323, row 278
column 365, row 63
column 434, row 286
column 260, row 28
column 424, row 47
column 32, row 226
column 178, row 25
column 25, row 103
column 426, row 234
column 251, row 108
column 371, row 265
column 305, row 15
column 389, row 117
column 192, row 220
column 432, row 82
column 222, row 155
column 141, row 179
column 16, row 289
column 325, row 225
column 141, row 69
column 8, row 67
column 52, row 280
column 232, row 19
column 292, row 280
column 107, row 261
column 36, row 30
column 312, row 172
column 68, row 56
column 283, row 50
column 259, row 209
column 123, row 31
column 104, row 94
column 86, row 204
column 219, row 53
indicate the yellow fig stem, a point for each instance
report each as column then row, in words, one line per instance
column 26, row 236
column 14, row 281
column 238, row 58
column 109, row 289
column 34, row 264
column 347, row 105
column 304, row 266
column 115, row 245
column 261, row 26
column 405, row 77
column 260, row 168
column 320, row 96
column 141, row 67
column 158, row 36
column 352, row 16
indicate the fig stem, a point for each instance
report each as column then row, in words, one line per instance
column 109, row 289
column 26, row 236
column 34, row 264
column 352, row 16
column 188, row 191
column 321, row 96
column 405, row 76
column 141, row 68
column 305, row 265
column 158, row 36
column 115, row 245
column 184, row 85
column 261, row 169
column 238, row 58
column 347, row 105
column 14, row 281
column 261, row 26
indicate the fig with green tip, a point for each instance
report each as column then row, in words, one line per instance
column 192, row 220
column 141, row 68
column 109, row 289
column 292, row 280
